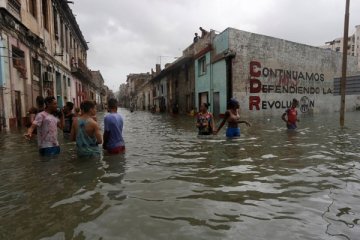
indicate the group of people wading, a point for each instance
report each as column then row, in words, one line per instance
column 82, row 128
column 206, row 125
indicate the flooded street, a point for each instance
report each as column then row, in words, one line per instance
column 269, row 184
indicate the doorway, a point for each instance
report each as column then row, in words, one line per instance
column 59, row 90
column 216, row 107
column 203, row 98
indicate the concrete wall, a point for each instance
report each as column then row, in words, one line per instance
column 265, row 68
column 30, row 21
column 221, row 42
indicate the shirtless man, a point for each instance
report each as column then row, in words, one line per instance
column 232, row 117
column 86, row 132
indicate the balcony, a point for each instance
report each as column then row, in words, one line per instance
column 80, row 70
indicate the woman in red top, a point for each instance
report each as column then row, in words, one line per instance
column 290, row 115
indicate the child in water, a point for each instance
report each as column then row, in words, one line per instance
column 290, row 115
column 205, row 120
column 232, row 117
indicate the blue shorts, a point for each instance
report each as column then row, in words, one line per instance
column 232, row 132
column 50, row 151
column 291, row 126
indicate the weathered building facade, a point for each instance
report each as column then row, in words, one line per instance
column 168, row 90
column 181, row 85
column 43, row 53
column 124, row 97
column 99, row 90
column 266, row 73
column 135, row 82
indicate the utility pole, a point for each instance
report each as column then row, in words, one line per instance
column 344, row 64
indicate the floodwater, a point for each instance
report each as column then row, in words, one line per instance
column 269, row 184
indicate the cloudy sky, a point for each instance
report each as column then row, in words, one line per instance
column 131, row 36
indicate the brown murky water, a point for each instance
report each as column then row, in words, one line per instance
column 269, row 184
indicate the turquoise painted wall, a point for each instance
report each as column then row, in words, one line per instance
column 202, row 81
column 214, row 79
column 219, row 83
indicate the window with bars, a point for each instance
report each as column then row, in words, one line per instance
column 352, row 85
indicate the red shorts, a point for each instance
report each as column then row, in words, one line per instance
column 117, row 150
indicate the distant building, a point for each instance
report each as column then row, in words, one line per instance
column 100, row 90
column 353, row 48
column 135, row 81
column 174, row 86
column 124, row 97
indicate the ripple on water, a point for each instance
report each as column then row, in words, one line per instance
column 268, row 184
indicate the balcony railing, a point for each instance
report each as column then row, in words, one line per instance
column 80, row 70
column 14, row 6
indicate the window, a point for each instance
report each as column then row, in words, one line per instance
column 62, row 34
column 18, row 59
column 45, row 13
column 352, row 85
column 32, row 7
column 202, row 65
column 66, row 39
column 56, row 29
column 18, row 56
column 65, row 84
column 69, row 83
column 36, row 68
column 15, row 5
column 337, row 49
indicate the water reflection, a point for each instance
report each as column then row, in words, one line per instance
column 269, row 184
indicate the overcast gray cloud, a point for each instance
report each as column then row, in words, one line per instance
column 129, row 36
